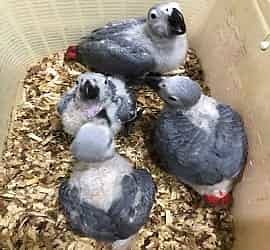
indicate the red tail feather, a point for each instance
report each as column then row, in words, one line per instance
column 71, row 53
column 225, row 199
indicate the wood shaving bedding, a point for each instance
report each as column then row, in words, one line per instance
column 37, row 160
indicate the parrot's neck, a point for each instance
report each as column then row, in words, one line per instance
column 86, row 166
column 204, row 113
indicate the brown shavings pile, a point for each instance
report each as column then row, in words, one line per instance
column 37, row 159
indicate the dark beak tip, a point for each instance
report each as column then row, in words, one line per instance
column 176, row 10
column 175, row 14
column 177, row 22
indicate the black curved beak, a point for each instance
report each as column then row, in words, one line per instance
column 177, row 22
column 89, row 91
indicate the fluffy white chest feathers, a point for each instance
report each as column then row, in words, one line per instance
column 204, row 114
column 170, row 54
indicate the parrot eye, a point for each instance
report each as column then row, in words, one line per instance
column 163, row 85
column 76, row 82
column 153, row 16
column 108, row 81
column 173, row 98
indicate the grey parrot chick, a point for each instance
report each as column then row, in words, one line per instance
column 134, row 47
column 105, row 197
column 96, row 96
column 199, row 140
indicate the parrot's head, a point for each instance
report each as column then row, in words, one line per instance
column 93, row 143
column 179, row 91
column 93, row 87
column 93, row 93
column 166, row 20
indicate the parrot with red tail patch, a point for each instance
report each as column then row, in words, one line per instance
column 134, row 47
column 199, row 140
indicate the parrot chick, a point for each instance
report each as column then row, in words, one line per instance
column 105, row 198
column 134, row 47
column 199, row 140
column 97, row 96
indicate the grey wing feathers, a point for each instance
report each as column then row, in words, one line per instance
column 128, row 108
column 231, row 144
column 132, row 211
column 221, row 154
column 198, row 157
column 181, row 147
column 126, row 102
column 65, row 99
column 116, row 56
column 113, row 28
column 110, row 50
column 85, row 219
column 125, row 217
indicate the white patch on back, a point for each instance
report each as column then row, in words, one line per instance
column 99, row 184
column 204, row 114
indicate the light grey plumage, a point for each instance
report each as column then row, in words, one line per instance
column 97, row 96
column 134, row 47
column 105, row 198
column 199, row 140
